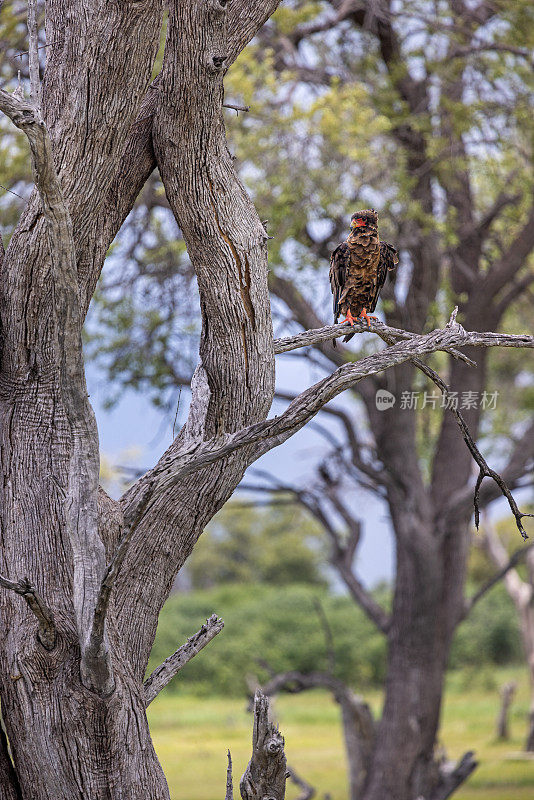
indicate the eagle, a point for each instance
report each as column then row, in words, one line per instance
column 358, row 269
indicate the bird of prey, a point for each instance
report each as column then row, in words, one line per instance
column 358, row 269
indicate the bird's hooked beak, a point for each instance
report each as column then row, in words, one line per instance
column 357, row 223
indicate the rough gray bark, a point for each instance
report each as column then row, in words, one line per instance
column 75, row 712
column 163, row 674
column 266, row 772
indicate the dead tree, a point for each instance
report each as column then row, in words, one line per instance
column 507, row 696
column 85, row 577
column 266, row 772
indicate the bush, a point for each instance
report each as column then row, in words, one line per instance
column 275, row 626
column 278, row 628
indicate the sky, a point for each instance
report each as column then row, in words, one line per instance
column 135, row 433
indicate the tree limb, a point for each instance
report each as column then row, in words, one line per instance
column 97, row 634
column 166, row 671
column 512, row 562
column 517, row 466
column 274, row 431
column 358, row 723
column 342, row 554
column 315, row 336
column 451, row 777
column 308, row 790
column 47, row 627
column 510, row 262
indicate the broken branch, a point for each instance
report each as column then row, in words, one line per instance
column 47, row 627
column 229, row 780
column 266, row 773
column 166, row 671
column 512, row 562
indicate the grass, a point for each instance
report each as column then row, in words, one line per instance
column 192, row 735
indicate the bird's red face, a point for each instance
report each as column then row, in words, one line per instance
column 357, row 223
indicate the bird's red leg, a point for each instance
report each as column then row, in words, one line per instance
column 367, row 317
column 349, row 318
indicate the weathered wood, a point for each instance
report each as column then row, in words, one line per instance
column 166, row 671
column 266, row 774
column 507, row 695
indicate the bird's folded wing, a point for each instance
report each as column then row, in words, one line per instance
column 388, row 260
column 339, row 264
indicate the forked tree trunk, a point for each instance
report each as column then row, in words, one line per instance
column 67, row 741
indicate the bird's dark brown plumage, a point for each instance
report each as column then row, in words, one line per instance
column 358, row 268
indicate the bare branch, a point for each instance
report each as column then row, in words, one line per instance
column 166, row 671
column 313, row 337
column 266, row 773
column 237, row 109
column 512, row 562
column 517, row 466
column 358, row 723
column 47, row 627
column 377, row 476
column 307, row 789
column 229, row 781
column 96, row 641
column 485, row 471
column 342, row 554
column 451, row 776
column 274, row 431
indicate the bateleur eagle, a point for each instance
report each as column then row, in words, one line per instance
column 358, row 269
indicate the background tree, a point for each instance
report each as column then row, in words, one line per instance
column 520, row 590
column 99, row 571
column 278, row 546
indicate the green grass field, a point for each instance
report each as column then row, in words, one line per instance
column 192, row 735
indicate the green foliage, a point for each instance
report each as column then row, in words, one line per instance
column 279, row 627
column 490, row 634
column 277, row 545
column 276, row 625
column 191, row 736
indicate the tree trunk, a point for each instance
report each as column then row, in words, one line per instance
column 507, row 695
column 402, row 766
column 65, row 740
